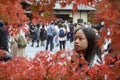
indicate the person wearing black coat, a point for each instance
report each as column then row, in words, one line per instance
column 4, row 41
column 43, row 34
column 3, row 37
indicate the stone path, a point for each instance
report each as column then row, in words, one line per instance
column 31, row 51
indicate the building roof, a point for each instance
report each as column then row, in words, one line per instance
column 69, row 7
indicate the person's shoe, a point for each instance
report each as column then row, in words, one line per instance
column 37, row 46
column 31, row 45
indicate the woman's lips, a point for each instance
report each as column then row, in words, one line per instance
column 77, row 46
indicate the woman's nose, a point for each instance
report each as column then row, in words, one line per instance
column 77, row 40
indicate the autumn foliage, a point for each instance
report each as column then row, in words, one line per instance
column 64, row 65
column 12, row 11
column 109, row 12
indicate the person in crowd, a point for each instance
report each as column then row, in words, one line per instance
column 27, row 31
column 18, row 51
column 67, row 27
column 77, row 26
column 43, row 34
column 71, row 33
column 89, row 24
column 95, row 30
column 34, row 34
column 56, row 36
column 100, row 26
column 51, row 32
column 3, row 36
column 13, row 46
column 31, row 28
column 4, row 41
column 85, row 24
column 85, row 44
column 38, row 34
column 62, row 37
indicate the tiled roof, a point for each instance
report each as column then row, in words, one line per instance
column 69, row 7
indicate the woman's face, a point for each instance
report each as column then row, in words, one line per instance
column 80, row 41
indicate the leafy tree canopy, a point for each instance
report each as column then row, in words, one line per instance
column 11, row 11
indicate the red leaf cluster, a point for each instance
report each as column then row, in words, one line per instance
column 11, row 11
column 109, row 12
column 65, row 65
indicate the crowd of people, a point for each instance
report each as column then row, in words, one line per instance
column 84, row 36
column 51, row 33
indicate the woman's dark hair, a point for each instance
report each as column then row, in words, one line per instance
column 60, row 25
column 92, row 48
column 38, row 25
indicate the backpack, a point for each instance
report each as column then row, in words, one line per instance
column 21, row 42
column 62, row 33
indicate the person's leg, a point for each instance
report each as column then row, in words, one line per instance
column 37, row 43
column 33, row 39
column 57, row 41
column 71, row 38
column 60, row 42
column 47, row 42
column 51, row 43
column 55, row 38
column 64, row 42
column 43, row 43
column 32, row 43
column 68, row 36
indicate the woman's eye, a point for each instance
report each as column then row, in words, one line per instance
column 74, row 38
column 80, row 38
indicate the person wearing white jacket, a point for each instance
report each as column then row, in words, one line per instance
column 62, row 37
